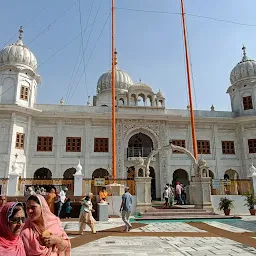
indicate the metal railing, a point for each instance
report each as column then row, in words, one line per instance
column 138, row 151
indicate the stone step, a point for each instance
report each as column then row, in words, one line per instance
column 176, row 210
column 186, row 217
column 175, row 213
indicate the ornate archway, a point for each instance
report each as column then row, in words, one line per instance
column 231, row 174
column 69, row 174
column 181, row 176
column 100, row 173
column 139, row 144
column 43, row 174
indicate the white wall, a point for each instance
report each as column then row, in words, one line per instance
column 239, row 207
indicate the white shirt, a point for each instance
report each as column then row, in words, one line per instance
column 62, row 196
column 166, row 193
column 89, row 207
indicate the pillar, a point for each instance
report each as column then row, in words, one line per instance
column 78, row 181
column 254, row 182
column 143, row 193
column 13, row 184
column 200, row 192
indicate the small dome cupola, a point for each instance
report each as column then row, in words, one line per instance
column 18, row 54
column 141, row 87
column 123, row 81
column 245, row 69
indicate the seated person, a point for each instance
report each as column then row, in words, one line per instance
column 103, row 195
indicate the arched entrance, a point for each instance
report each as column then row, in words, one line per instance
column 139, row 144
column 43, row 174
column 153, row 182
column 131, row 176
column 231, row 174
column 69, row 174
column 181, row 176
column 100, row 173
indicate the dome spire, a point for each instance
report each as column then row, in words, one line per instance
column 21, row 32
column 116, row 58
column 19, row 41
column 244, row 54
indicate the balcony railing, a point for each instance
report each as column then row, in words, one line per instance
column 138, row 151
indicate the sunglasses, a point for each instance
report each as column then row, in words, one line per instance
column 18, row 220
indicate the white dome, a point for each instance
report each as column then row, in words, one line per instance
column 18, row 53
column 141, row 86
column 123, row 81
column 244, row 69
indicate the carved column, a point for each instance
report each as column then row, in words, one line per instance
column 243, row 146
column 217, row 148
column 27, row 147
column 121, row 170
column 163, row 158
column 11, row 145
column 88, row 144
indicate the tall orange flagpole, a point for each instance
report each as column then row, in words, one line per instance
column 192, row 118
column 113, row 94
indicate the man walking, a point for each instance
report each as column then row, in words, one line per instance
column 126, row 209
column 178, row 193
column 62, row 198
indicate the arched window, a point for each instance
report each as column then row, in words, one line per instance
column 139, row 145
column 141, row 99
column 43, row 174
column 69, row 174
column 100, row 173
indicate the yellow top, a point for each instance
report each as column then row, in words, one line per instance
column 103, row 196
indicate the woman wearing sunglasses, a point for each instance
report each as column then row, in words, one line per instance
column 42, row 234
column 12, row 218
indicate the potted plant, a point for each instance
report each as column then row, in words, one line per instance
column 225, row 205
column 250, row 200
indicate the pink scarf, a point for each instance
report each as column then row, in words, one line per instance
column 9, row 244
column 31, row 234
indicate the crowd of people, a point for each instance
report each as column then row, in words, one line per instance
column 170, row 194
column 57, row 202
column 32, row 228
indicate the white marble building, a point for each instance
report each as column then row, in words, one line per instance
column 49, row 139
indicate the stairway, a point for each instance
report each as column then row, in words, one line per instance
column 178, row 212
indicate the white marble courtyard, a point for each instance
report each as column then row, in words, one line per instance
column 144, row 245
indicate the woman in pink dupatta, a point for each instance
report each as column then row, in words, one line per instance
column 12, row 218
column 42, row 234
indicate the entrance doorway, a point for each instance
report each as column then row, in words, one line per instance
column 181, row 176
column 153, row 182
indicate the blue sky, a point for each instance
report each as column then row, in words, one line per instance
column 149, row 45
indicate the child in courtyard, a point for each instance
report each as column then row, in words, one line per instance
column 68, row 208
